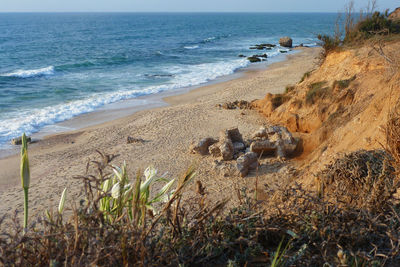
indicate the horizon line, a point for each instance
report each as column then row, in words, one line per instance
column 260, row 12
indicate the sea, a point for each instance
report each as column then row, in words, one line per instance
column 55, row 66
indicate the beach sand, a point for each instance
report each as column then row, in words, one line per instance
column 167, row 133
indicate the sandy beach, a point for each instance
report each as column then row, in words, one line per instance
column 167, row 132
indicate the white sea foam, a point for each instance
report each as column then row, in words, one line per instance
column 191, row 47
column 30, row 73
column 32, row 120
column 209, row 39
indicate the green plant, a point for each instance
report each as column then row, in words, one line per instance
column 305, row 76
column 343, row 84
column 118, row 194
column 329, row 44
column 373, row 24
column 278, row 260
column 315, row 91
column 25, row 178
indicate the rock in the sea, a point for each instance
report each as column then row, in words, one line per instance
column 214, row 150
column 262, row 46
column 247, row 162
column 254, row 59
column 241, row 55
column 262, row 55
column 286, row 42
column 18, row 140
column 202, row 146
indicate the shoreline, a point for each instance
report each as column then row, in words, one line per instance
column 128, row 107
column 167, row 132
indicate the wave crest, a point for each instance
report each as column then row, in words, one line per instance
column 30, row 73
column 191, row 47
column 30, row 121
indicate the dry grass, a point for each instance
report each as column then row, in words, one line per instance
column 343, row 84
column 278, row 99
column 362, row 179
column 297, row 227
column 393, row 135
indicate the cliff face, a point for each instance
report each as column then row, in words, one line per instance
column 340, row 107
column 395, row 15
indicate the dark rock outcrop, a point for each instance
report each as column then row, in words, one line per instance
column 254, row 59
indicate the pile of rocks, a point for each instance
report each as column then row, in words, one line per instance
column 276, row 140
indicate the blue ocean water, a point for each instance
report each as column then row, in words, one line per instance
column 54, row 66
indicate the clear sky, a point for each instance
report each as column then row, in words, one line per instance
column 185, row 5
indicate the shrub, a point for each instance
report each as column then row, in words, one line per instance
column 289, row 88
column 316, row 90
column 360, row 179
column 306, row 75
column 343, row 84
column 329, row 44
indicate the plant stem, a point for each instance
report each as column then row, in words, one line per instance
column 25, row 209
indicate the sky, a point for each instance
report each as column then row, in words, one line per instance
column 185, row 5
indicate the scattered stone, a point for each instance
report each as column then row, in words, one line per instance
column 214, row 150
column 202, row 146
column 18, row 140
column 238, row 146
column 240, row 104
column 232, row 134
column 226, row 148
column 247, row 162
column 286, row 42
column 283, row 51
column 131, row 140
